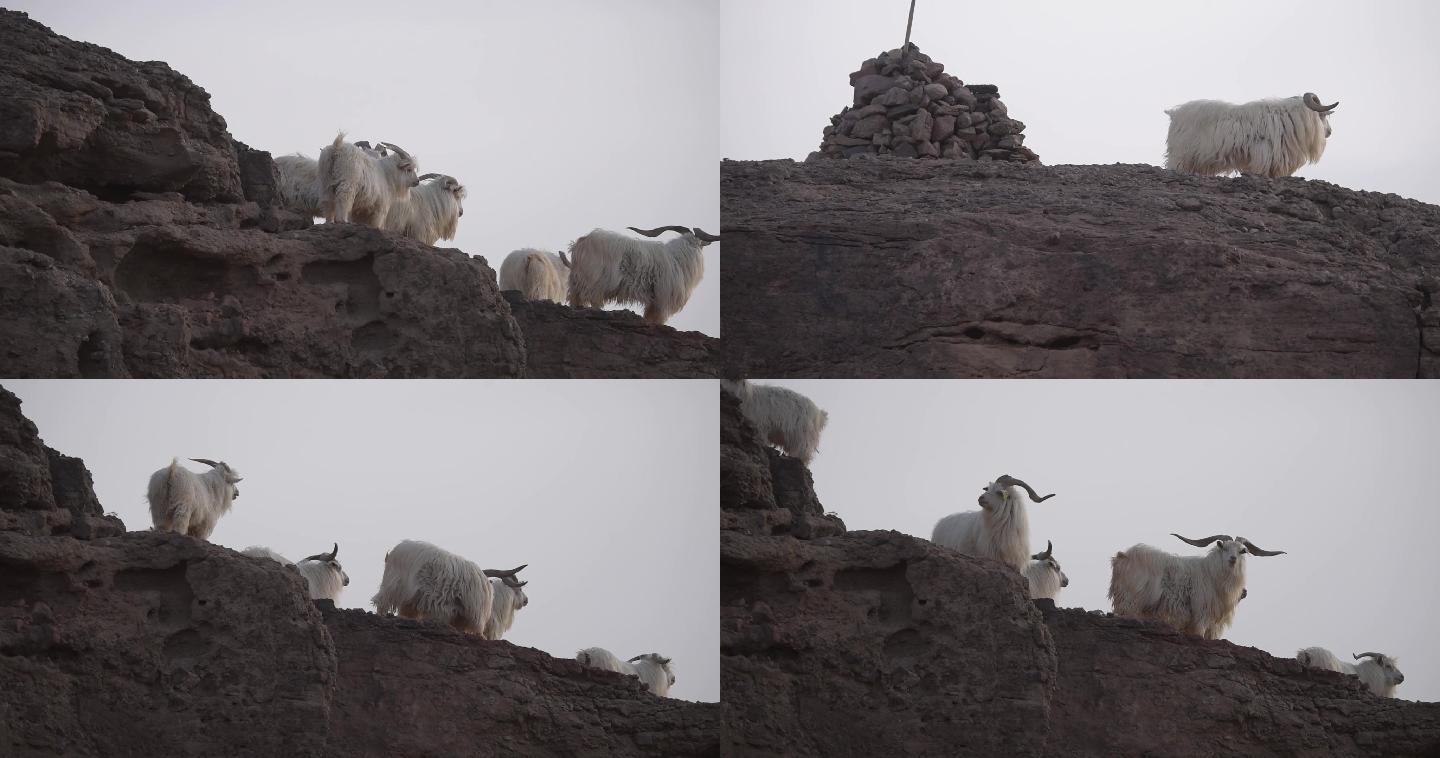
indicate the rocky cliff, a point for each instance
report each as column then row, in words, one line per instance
column 884, row 267
column 116, row 643
column 137, row 238
column 837, row 643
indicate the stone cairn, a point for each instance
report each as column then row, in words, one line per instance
column 908, row 106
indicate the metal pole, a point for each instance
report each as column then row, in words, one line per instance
column 905, row 50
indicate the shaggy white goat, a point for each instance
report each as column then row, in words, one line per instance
column 999, row 530
column 356, row 186
column 783, row 417
column 190, row 503
column 1044, row 574
column 607, row 266
column 430, row 212
column 422, row 581
column 1376, row 670
column 1267, row 137
column 537, row 274
column 322, row 572
column 1196, row 594
column 508, row 600
column 299, row 184
column 652, row 669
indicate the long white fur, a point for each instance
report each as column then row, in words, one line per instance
column 537, row 274
column 1380, row 675
column 656, row 676
column 783, row 417
column 429, row 212
column 1196, row 594
column 1046, row 578
column 299, row 184
column 1000, row 530
column 189, row 503
column 422, row 581
column 357, row 187
column 507, row 601
column 607, row 267
column 326, row 579
column 1272, row 137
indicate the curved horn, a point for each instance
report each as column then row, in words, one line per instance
column 511, row 581
column 205, row 461
column 636, row 658
column 397, row 149
column 423, row 177
column 364, row 145
column 1045, row 555
column 705, row 236
column 564, row 260
column 1258, row 551
column 1006, row 480
column 1205, row 542
column 1358, row 656
column 497, row 573
column 1313, row 103
column 324, row 557
column 657, row 231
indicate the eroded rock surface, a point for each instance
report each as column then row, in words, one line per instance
column 589, row 343
column 899, row 268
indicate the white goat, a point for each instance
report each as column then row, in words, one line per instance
column 356, row 186
column 1044, row 574
column 430, row 212
column 652, row 669
column 607, row 266
column 537, row 274
column 322, row 572
column 783, row 417
column 508, row 600
column 1267, row 137
column 189, row 503
column 422, row 581
column 1376, row 670
column 299, row 184
column 1196, row 594
column 1000, row 530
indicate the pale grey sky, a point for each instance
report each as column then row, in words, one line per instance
column 1092, row 80
column 1340, row 474
column 559, row 116
column 608, row 489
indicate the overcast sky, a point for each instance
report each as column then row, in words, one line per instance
column 607, row 489
column 1092, row 80
column 1340, row 474
column 559, row 116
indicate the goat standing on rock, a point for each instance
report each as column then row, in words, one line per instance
column 322, row 572
column 1196, row 594
column 783, row 417
column 1044, row 574
column 652, row 669
column 356, row 186
column 430, row 211
column 1376, row 670
column 606, row 267
column 1266, row 137
column 422, row 581
column 189, row 503
column 999, row 531
column 535, row 274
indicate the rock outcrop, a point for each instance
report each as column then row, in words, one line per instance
column 138, row 239
column 588, row 343
column 838, row 643
column 153, row 643
column 907, row 106
column 902, row 268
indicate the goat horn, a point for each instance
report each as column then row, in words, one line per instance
column 657, row 231
column 1006, row 480
column 1205, row 542
column 1313, row 103
column 423, row 177
column 397, row 149
column 1358, row 656
column 564, row 260
column 1045, row 555
column 330, row 556
column 704, row 236
column 1258, row 551
column 363, row 144
column 502, row 574
column 636, row 658
column 205, row 461
column 511, row 581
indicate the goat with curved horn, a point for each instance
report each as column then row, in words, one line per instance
column 1196, row 594
column 325, row 557
column 610, row 267
column 1000, row 530
column 189, row 503
column 1271, row 138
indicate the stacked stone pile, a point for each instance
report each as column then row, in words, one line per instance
column 908, row 106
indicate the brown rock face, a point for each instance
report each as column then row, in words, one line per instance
column 589, row 343
column 891, row 268
column 138, row 239
column 878, row 643
column 153, row 643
